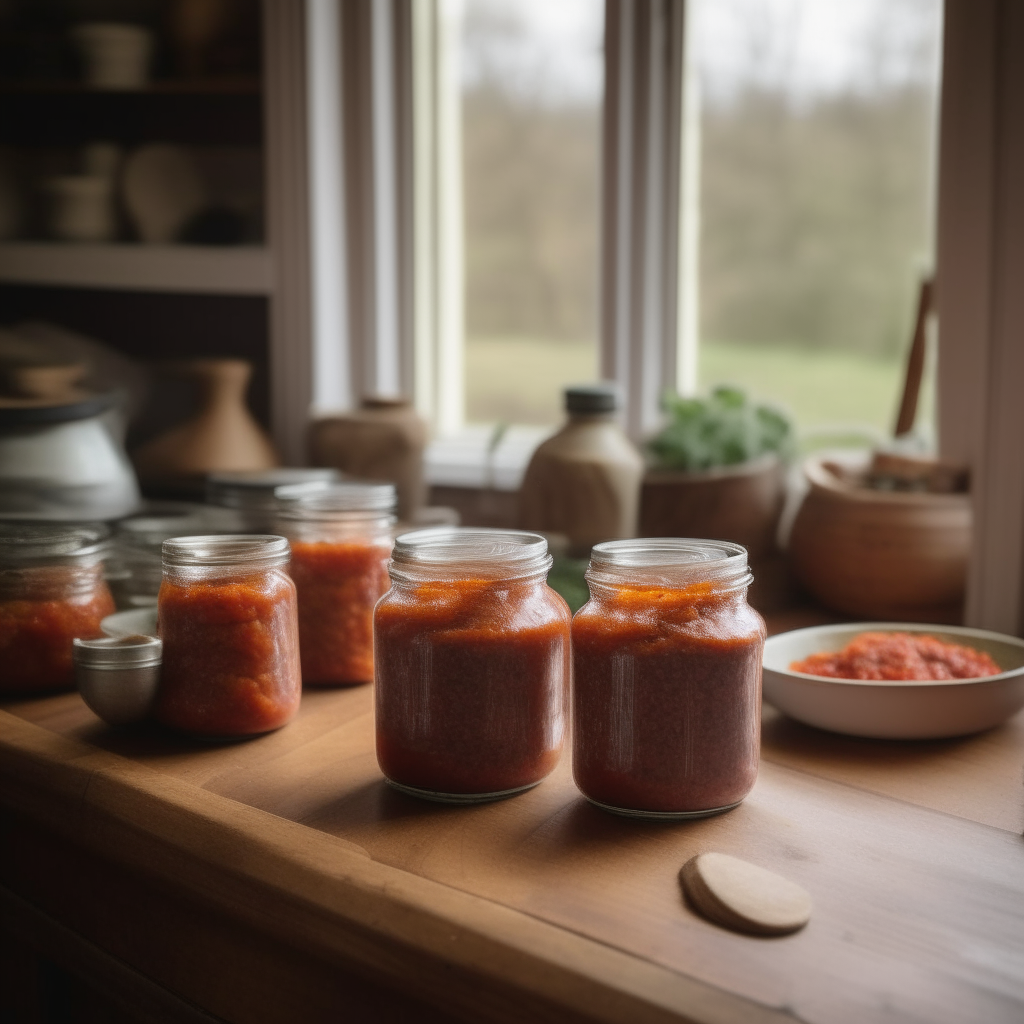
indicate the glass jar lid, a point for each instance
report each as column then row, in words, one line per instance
column 241, row 550
column 469, row 552
column 258, row 489
column 339, row 500
column 669, row 561
column 115, row 652
column 38, row 543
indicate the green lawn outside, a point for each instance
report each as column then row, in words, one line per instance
column 520, row 380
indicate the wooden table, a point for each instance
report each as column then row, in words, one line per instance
column 281, row 880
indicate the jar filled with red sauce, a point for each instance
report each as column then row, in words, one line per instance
column 341, row 541
column 227, row 616
column 471, row 649
column 52, row 590
column 667, row 678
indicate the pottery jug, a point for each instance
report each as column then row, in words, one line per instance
column 222, row 435
column 383, row 439
column 584, row 481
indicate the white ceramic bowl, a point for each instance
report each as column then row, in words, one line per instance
column 129, row 623
column 894, row 709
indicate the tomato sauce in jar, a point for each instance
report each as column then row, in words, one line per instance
column 52, row 591
column 472, row 656
column 667, row 679
column 228, row 621
column 341, row 541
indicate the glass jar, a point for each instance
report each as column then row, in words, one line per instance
column 254, row 496
column 472, row 665
column 138, row 555
column 667, row 679
column 52, row 590
column 341, row 540
column 228, row 620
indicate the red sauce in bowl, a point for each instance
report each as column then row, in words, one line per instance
column 470, row 684
column 896, row 656
column 666, row 697
column 36, row 638
column 338, row 583
column 231, row 655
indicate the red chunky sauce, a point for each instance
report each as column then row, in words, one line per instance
column 899, row 656
column 231, row 657
column 470, row 684
column 36, row 636
column 338, row 583
column 666, row 698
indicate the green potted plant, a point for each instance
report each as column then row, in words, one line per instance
column 717, row 470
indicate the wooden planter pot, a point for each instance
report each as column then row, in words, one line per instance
column 740, row 503
column 883, row 555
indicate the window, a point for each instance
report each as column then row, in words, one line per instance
column 817, row 198
column 532, row 80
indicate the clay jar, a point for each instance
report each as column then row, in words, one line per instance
column 381, row 440
column 222, row 436
column 741, row 503
column 886, row 555
column 584, row 482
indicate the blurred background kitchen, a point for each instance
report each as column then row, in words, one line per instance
column 260, row 235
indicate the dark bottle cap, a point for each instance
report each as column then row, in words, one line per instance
column 591, row 398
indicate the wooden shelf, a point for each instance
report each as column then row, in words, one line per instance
column 68, row 114
column 165, row 86
column 236, row 270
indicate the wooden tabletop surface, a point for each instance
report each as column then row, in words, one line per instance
column 912, row 852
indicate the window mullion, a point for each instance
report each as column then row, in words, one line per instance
column 645, row 343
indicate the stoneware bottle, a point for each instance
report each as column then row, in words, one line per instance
column 584, row 482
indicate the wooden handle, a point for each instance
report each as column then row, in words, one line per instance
column 915, row 363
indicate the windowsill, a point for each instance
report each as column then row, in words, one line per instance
column 461, row 459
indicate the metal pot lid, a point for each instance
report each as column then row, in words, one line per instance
column 26, row 412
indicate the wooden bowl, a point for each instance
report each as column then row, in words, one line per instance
column 881, row 554
column 741, row 503
column 894, row 709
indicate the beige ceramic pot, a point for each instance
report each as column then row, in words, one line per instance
column 221, row 436
column 881, row 554
column 740, row 503
column 383, row 439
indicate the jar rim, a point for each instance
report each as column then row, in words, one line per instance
column 458, row 550
column 349, row 496
column 253, row 550
column 38, row 543
column 675, row 561
column 136, row 651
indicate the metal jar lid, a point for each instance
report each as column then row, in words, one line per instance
column 257, row 489
column 119, row 652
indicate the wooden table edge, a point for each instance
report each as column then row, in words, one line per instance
column 434, row 942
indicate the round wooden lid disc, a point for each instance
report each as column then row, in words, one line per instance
column 744, row 897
